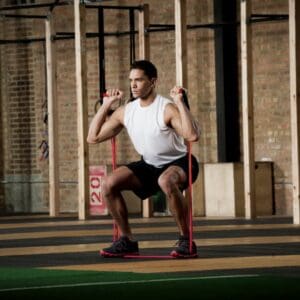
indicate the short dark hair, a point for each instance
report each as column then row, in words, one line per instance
column 147, row 66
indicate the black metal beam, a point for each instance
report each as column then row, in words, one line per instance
column 101, row 51
column 170, row 27
column 152, row 27
column 64, row 36
column 226, row 70
column 97, row 34
column 132, row 36
column 23, row 16
column 95, row 6
column 132, row 42
column 257, row 18
column 21, row 41
column 213, row 25
column 39, row 5
column 162, row 25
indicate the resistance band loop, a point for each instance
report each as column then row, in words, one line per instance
column 190, row 193
column 114, row 166
column 149, row 256
column 116, row 233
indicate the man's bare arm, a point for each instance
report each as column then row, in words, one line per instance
column 103, row 127
column 180, row 118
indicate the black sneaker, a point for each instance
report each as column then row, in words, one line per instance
column 183, row 248
column 121, row 247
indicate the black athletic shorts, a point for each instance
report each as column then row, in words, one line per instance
column 148, row 174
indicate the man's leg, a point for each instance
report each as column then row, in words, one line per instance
column 121, row 179
column 169, row 181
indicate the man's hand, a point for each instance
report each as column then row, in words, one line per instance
column 113, row 98
column 176, row 94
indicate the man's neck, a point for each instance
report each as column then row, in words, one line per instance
column 145, row 101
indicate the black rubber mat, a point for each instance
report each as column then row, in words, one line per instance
column 92, row 257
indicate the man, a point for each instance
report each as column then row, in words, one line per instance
column 158, row 128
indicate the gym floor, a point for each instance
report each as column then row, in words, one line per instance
column 39, row 254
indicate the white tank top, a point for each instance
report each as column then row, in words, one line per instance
column 157, row 143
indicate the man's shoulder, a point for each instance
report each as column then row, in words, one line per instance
column 130, row 106
column 131, row 102
column 163, row 99
column 160, row 96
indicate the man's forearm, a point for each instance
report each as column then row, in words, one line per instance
column 190, row 129
column 97, row 123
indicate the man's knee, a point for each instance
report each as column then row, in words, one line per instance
column 107, row 185
column 162, row 182
column 167, row 183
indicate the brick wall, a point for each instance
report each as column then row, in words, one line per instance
column 23, row 95
column 23, row 181
column 271, row 99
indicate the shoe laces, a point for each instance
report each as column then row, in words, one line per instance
column 182, row 241
column 120, row 244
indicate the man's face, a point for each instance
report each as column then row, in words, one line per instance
column 141, row 86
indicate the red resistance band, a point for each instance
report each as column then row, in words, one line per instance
column 190, row 191
column 116, row 233
column 150, row 256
